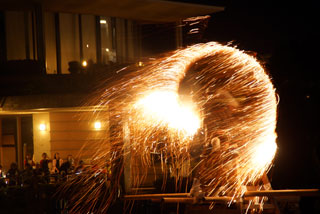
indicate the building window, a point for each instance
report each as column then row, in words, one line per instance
column 71, row 42
column 69, row 38
column 88, row 37
column 50, row 42
column 125, row 36
column 108, row 49
column 19, row 35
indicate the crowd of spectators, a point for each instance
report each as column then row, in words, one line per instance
column 45, row 172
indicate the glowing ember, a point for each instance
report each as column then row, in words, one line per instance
column 208, row 110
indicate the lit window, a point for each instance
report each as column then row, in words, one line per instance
column 17, row 30
column 89, row 43
column 70, row 40
column 108, row 42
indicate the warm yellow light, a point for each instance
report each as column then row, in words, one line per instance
column 97, row 125
column 103, row 21
column 264, row 153
column 42, row 127
column 165, row 107
column 140, row 63
column 107, row 49
column 84, row 63
column 87, row 45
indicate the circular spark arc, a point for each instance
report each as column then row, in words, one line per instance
column 225, row 136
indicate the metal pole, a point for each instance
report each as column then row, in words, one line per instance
column 80, row 37
column 153, row 196
column 58, row 41
column 191, row 200
column 19, row 143
column 183, row 197
column 98, row 39
column 287, row 192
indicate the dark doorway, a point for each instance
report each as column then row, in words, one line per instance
column 16, row 139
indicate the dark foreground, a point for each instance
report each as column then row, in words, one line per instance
column 42, row 199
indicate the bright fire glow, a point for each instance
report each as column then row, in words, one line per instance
column 264, row 153
column 165, row 107
column 97, row 125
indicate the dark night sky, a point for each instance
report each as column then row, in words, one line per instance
column 286, row 38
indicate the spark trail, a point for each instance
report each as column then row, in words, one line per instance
column 208, row 111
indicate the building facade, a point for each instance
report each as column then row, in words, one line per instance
column 53, row 54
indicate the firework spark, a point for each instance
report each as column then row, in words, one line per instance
column 208, row 111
